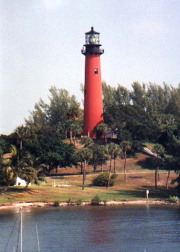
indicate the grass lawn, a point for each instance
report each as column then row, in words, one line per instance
column 63, row 187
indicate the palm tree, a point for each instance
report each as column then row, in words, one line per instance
column 79, row 158
column 9, row 164
column 126, row 146
column 100, row 130
column 29, row 174
column 110, row 151
column 86, row 155
column 168, row 163
column 158, row 149
column 117, row 152
column 17, row 163
column 7, row 176
column 102, row 156
column 70, row 126
column 86, row 141
column 73, row 114
column 98, row 156
column 22, row 132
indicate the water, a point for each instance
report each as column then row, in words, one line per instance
column 96, row 229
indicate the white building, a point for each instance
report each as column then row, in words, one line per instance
column 21, row 182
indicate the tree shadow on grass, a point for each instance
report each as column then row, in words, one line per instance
column 11, row 190
column 146, row 163
column 160, row 193
column 131, row 194
column 14, row 190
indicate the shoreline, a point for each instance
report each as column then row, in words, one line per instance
column 86, row 203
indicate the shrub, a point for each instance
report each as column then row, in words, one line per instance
column 56, row 203
column 69, row 202
column 114, row 176
column 95, row 201
column 105, row 202
column 102, row 179
column 79, row 202
column 173, row 199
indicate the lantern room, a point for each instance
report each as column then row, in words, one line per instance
column 92, row 37
column 92, row 43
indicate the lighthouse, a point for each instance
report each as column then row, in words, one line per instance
column 93, row 103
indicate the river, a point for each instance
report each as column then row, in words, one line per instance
column 125, row 228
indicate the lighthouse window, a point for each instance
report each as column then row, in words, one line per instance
column 95, row 70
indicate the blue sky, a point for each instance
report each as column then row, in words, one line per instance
column 40, row 45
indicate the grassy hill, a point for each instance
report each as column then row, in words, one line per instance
column 66, row 184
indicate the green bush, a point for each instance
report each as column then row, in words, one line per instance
column 105, row 202
column 79, row 202
column 95, row 201
column 102, row 179
column 56, row 203
column 69, row 202
column 173, row 199
column 114, row 176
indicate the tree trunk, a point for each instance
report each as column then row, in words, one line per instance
column 156, row 177
column 114, row 165
column 74, row 140
column 81, row 168
column 95, row 167
column 70, row 133
column 84, row 175
column 21, row 144
column 101, row 167
column 27, row 183
column 6, row 188
column 65, row 134
column 168, row 179
column 125, row 175
column 109, row 173
column 105, row 139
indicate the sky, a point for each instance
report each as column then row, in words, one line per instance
column 41, row 42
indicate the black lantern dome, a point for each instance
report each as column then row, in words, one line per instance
column 92, row 43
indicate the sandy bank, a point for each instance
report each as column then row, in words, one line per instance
column 108, row 203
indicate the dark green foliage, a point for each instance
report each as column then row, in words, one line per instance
column 69, row 202
column 56, row 203
column 173, row 199
column 102, row 179
column 95, row 200
column 98, row 156
column 132, row 122
column 17, row 163
column 147, row 113
column 100, row 129
column 3, row 144
column 79, row 202
column 136, row 146
column 6, row 142
column 105, row 202
column 52, row 152
column 177, row 180
column 114, row 176
column 62, row 116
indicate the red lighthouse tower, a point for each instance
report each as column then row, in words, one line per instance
column 93, row 104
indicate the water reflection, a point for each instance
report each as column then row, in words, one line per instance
column 118, row 228
column 99, row 226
